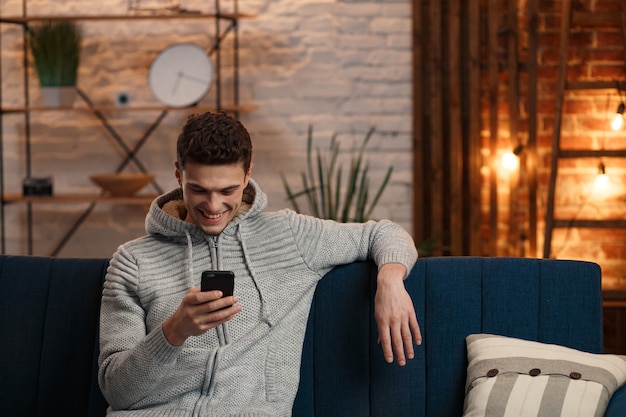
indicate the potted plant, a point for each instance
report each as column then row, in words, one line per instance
column 323, row 188
column 326, row 195
column 55, row 47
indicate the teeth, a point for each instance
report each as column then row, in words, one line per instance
column 211, row 216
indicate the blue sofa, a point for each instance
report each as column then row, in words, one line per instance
column 49, row 315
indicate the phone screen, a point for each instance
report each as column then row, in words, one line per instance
column 218, row 280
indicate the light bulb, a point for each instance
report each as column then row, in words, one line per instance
column 510, row 161
column 618, row 119
column 617, row 122
column 602, row 180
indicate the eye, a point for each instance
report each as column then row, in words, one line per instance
column 195, row 190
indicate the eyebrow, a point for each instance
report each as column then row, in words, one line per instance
column 227, row 188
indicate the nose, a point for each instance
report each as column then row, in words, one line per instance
column 214, row 203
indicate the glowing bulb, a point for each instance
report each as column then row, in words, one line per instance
column 618, row 119
column 510, row 161
column 617, row 122
column 602, row 180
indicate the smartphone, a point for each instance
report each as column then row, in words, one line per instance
column 218, row 280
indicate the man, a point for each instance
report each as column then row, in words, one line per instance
column 168, row 348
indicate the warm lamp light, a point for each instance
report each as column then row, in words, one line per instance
column 618, row 119
column 510, row 160
column 602, row 179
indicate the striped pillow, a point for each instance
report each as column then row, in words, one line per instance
column 508, row 376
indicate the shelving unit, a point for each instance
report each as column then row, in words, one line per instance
column 102, row 113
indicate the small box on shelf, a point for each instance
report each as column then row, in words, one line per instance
column 37, row 186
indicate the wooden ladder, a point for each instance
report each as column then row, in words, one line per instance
column 571, row 17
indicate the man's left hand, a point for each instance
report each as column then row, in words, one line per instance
column 395, row 315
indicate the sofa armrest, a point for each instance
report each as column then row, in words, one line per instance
column 617, row 405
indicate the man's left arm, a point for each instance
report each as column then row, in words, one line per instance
column 395, row 315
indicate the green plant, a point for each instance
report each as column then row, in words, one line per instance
column 55, row 47
column 323, row 187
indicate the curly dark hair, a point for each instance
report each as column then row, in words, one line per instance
column 213, row 139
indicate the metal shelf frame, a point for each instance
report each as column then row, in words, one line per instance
column 221, row 31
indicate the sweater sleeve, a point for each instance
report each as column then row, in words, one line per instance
column 131, row 362
column 325, row 244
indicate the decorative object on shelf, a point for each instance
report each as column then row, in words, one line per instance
column 181, row 75
column 37, row 186
column 122, row 184
column 55, row 47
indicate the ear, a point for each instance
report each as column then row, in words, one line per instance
column 178, row 173
column 248, row 175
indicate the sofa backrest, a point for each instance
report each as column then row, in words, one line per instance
column 49, row 316
column 552, row 301
column 49, row 312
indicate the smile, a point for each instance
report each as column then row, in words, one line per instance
column 211, row 216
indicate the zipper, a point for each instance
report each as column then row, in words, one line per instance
column 221, row 330
column 214, row 247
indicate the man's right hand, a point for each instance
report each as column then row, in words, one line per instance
column 198, row 312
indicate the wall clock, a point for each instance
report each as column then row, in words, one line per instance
column 181, row 75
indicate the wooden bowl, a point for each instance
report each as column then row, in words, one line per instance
column 122, row 184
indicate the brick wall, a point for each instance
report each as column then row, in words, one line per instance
column 340, row 66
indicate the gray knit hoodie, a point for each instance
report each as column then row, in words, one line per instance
column 249, row 366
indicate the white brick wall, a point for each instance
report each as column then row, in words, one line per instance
column 341, row 66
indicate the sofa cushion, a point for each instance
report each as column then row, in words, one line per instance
column 536, row 379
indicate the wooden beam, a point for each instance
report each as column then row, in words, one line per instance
column 475, row 159
column 623, row 22
column 530, row 155
column 492, row 57
column 419, row 188
column 455, row 132
column 515, row 228
column 435, row 158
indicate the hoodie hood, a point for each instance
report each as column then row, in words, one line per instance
column 167, row 214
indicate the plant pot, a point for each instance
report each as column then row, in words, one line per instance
column 55, row 96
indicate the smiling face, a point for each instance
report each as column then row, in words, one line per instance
column 212, row 194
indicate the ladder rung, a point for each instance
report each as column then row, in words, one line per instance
column 595, row 85
column 593, row 224
column 588, row 153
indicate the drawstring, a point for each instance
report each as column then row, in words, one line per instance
column 189, row 259
column 264, row 313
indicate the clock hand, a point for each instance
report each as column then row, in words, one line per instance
column 175, row 86
column 191, row 77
